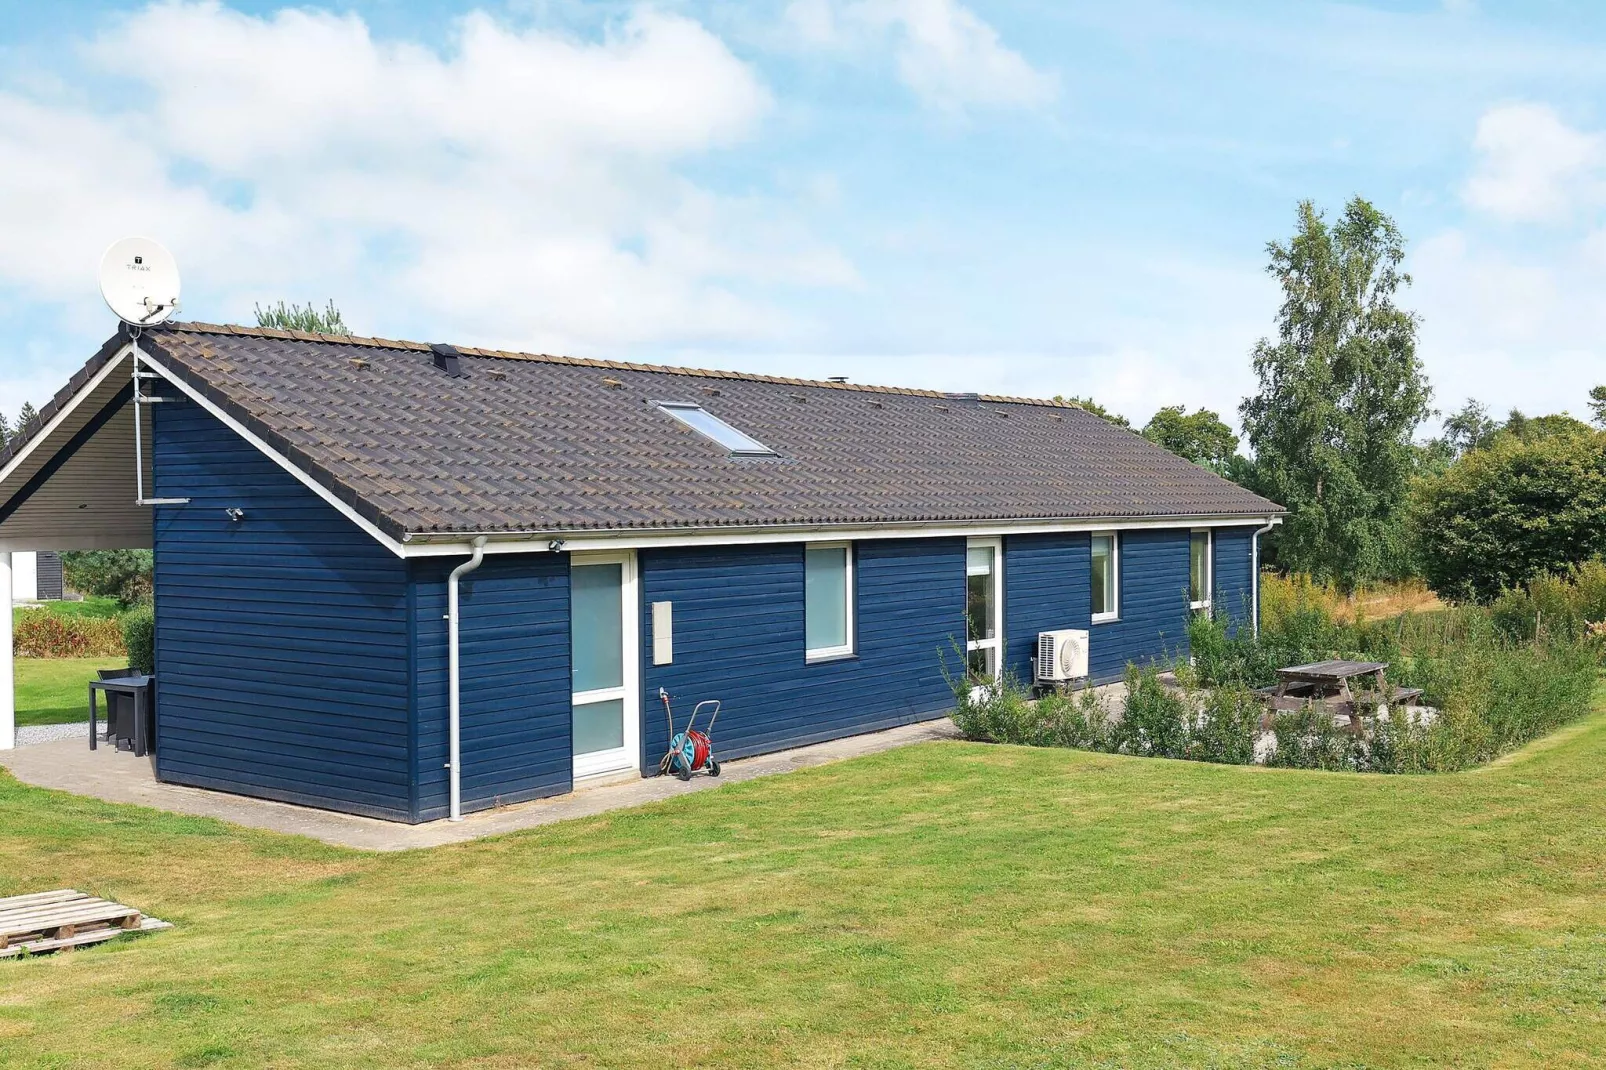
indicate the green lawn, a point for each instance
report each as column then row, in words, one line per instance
column 56, row 690
column 85, row 607
column 948, row 905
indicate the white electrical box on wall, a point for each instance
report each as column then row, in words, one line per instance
column 663, row 633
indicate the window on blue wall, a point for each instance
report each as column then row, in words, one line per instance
column 1106, row 577
column 828, row 600
column 1199, row 578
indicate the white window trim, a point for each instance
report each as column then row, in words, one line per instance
column 1115, row 575
column 627, row 757
column 1209, row 568
column 831, row 653
column 996, row 643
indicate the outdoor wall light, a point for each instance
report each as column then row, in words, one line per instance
column 235, row 515
column 555, row 545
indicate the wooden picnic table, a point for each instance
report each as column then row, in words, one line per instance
column 1299, row 686
column 1333, row 675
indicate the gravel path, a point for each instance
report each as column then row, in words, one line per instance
column 45, row 733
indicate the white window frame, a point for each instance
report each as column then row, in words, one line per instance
column 996, row 643
column 627, row 757
column 1115, row 575
column 1209, row 568
column 830, row 653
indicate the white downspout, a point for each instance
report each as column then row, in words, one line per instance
column 8, row 694
column 1254, row 581
column 454, row 759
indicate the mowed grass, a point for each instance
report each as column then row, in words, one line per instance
column 56, row 690
column 947, row 905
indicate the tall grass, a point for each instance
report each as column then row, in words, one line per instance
column 1496, row 678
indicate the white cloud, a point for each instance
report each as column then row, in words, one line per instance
column 1511, row 328
column 1533, row 167
column 949, row 57
column 520, row 187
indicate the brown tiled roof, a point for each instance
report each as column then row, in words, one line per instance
column 537, row 443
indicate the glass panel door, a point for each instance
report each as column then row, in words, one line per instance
column 602, row 639
column 984, row 624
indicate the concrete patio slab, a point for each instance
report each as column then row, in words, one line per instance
column 69, row 765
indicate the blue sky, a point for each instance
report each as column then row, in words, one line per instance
column 1021, row 197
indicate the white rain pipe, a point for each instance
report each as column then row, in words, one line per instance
column 1254, row 587
column 454, row 759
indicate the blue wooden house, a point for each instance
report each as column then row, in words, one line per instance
column 371, row 555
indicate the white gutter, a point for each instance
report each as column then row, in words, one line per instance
column 454, row 758
column 1255, row 575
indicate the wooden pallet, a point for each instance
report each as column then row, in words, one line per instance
column 52, row 921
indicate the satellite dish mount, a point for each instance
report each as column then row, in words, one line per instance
column 139, row 280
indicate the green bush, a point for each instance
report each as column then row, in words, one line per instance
column 1498, row 677
column 1225, row 730
column 1155, row 722
column 40, row 633
column 1524, row 507
column 1564, row 605
column 1003, row 712
column 121, row 574
column 139, row 636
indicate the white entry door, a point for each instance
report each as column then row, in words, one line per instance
column 603, row 637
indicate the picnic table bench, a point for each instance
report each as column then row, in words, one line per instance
column 1299, row 686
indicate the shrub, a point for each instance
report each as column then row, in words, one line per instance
column 1499, row 677
column 1156, row 719
column 1003, row 712
column 1502, row 516
column 1225, row 729
column 121, row 574
column 139, row 636
column 40, row 633
column 1564, row 605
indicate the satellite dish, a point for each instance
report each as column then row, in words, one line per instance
column 139, row 280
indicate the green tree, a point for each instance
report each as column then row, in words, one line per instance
column 26, row 415
column 1096, row 409
column 121, row 574
column 6, row 432
column 1532, row 427
column 1201, row 437
column 1514, row 510
column 285, row 317
column 1341, row 395
column 1597, row 405
column 1470, row 429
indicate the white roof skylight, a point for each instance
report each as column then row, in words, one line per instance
column 710, row 426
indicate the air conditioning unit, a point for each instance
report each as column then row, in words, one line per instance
column 1062, row 655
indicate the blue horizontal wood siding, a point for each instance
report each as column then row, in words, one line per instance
column 515, row 715
column 1153, row 602
column 1232, row 599
column 1047, row 586
column 281, row 638
column 738, row 637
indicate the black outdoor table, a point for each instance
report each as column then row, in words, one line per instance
column 136, row 687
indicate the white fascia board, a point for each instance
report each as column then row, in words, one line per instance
column 576, row 542
column 67, row 410
column 278, row 458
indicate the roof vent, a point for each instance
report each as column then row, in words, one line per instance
column 447, row 359
column 962, row 397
